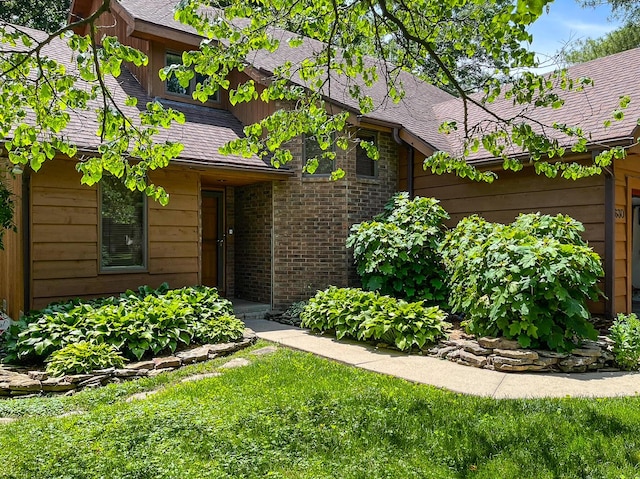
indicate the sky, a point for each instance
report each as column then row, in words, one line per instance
column 567, row 21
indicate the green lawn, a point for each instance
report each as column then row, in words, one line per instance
column 292, row 415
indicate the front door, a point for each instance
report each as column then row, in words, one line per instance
column 212, row 240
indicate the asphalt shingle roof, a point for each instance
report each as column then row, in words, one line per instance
column 203, row 133
column 424, row 106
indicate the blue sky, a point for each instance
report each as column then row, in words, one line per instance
column 568, row 21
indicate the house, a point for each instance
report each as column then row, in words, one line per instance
column 275, row 236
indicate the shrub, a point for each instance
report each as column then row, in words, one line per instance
column 368, row 315
column 527, row 281
column 135, row 323
column 219, row 329
column 397, row 252
column 625, row 333
column 83, row 357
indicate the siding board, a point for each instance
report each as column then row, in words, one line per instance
column 65, row 243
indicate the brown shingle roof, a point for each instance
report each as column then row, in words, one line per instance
column 203, row 133
column 414, row 112
column 613, row 76
column 425, row 106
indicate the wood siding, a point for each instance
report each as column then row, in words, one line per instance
column 521, row 192
column 65, row 243
column 251, row 112
column 112, row 25
column 627, row 178
column 11, row 258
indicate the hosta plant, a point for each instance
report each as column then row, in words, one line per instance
column 83, row 357
column 528, row 281
column 219, row 329
column 397, row 253
column 369, row 315
column 625, row 333
column 135, row 323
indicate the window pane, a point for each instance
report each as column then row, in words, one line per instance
column 365, row 166
column 123, row 232
column 312, row 149
column 173, row 85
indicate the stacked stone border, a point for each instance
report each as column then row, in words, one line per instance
column 18, row 382
column 500, row 354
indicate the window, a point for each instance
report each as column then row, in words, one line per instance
column 312, row 150
column 122, row 226
column 366, row 166
column 173, row 85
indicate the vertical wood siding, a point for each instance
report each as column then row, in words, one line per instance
column 65, row 244
column 113, row 25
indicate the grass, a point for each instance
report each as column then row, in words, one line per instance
column 293, row 415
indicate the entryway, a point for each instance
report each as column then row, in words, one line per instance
column 213, row 239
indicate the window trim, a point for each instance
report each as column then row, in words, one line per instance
column 376, row 136
column 304, row 160
column 144, row 268
column 192, row 84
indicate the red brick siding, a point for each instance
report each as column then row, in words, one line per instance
column 252, row 242
column 312, row 217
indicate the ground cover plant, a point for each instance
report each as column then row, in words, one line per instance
column 397, row 252
column 529, row 280
column 369, row 315
column 136, row 323
column 625, row 333
column 293, row 415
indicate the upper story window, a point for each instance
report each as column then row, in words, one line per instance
column 172, row 85
column 123, row 241
column 366, row 166
column 312, row 150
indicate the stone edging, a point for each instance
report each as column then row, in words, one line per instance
column 14, row 383
column 500, row 354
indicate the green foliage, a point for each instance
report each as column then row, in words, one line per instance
column 296, row 308
column 625, row 333
column 368, row 315
column 6, row 211
column 219, row 329
column 619, row 40
column 42, row 97
column 83, row 357
column 296, row 415
column 346, row 45
column 135, row 323
column 47, row 15
column 397, row 252
column 529, row 280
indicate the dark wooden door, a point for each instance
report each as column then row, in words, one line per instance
column 212, row 239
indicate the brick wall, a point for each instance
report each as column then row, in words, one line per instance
column 252, row 242
column 312, row 217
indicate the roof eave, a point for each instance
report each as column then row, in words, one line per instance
column 593, row 146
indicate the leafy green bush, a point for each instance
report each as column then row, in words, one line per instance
column 368, row 315
column 397, row 252
column 83, row 357
column 219, row 329
column 135, row 323
column 625, row 333
column 527, row 281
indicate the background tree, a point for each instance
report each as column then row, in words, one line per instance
column 619, row 40
column 47, row 15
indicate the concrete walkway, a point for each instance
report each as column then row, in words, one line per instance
column 446, row 374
